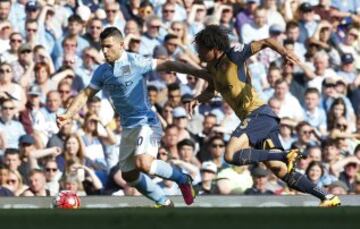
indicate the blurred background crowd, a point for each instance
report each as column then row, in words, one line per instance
column 50, row 48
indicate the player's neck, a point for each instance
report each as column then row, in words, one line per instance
column 218, row 55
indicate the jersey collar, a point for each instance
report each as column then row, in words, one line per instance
column 122, row 58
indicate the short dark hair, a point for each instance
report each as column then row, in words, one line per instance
column 327, row 143
column 173, row 87
column 11, row 151
column 312, row 90
column 288, row 42
column 213, row 37
column 170, row 36
column 111, row 32
column 171, row 126
column 301, row 125
column 186, row 142
column 75, row 18
column 152, row 88
column 35, row 171
column 291, row 25
column 210, row 115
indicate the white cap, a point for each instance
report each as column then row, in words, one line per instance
column 209, row 166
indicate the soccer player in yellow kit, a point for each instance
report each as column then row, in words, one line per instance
column 256, row 138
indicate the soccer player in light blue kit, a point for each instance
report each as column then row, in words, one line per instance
column 122, row 77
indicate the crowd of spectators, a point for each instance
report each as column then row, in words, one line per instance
column 50, row 48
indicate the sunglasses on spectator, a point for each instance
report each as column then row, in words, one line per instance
column 95, row 27
column 217, row 145
column 8, row 108
column 168, row 11
column 155, row 26
column 26, row 51
column 145, row 11
column 51, row 169
column 5, row 70
column 31, row 30
column 15, row 40
column 64, row 91
column 110, row 11
column 341, row 126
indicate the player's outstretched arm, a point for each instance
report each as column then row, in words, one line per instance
column 204, row 97
column 256, row 46
column 176, row 66
column 78, row 102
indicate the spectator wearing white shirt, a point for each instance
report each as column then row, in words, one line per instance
column 273, row 14
column 292, row 32
column 290, row 105
column 259, row 29
column 49, row 112
column 322, row 70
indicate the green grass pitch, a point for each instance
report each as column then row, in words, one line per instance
column 184, row 218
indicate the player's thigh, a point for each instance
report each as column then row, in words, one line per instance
column 257, row 127
column 147, row 146
column 127, row 148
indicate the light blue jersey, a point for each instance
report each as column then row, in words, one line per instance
column 126, row 86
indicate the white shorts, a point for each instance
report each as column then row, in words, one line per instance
column 137, row 141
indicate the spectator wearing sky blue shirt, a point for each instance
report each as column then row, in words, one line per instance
column 307, row 22
column 122, row 76
column 313, row 113
column 347, row 69
column 350, row 6
column 151, row 38
column 11, row 129
column 75, row 27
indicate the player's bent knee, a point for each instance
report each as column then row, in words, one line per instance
column 229, row 155
column 143, row 164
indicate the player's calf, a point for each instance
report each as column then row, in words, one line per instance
column 252, row 156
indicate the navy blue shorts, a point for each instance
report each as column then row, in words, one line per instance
column 261, row 127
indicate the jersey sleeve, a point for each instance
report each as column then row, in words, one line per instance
column 239, row 53
column 97, row 79
column 144, row 64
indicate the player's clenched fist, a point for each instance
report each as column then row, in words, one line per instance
column 62, row 119
column 189, row 106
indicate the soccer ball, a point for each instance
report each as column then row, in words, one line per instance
column 66, row 199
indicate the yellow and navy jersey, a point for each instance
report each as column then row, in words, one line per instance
column 233, row 82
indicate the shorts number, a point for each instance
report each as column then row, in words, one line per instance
column 139, row 140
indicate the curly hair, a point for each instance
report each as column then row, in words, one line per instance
column 213, row 37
